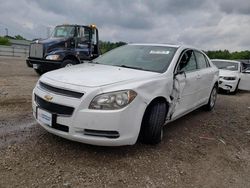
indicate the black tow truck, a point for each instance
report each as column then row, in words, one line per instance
column 68, row 45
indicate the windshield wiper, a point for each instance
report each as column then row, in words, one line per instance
column 126, row 66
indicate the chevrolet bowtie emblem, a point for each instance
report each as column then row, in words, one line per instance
column 48, row 97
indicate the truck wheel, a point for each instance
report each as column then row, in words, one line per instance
column 39, row 71
column 212, row 99
column 68, row 63
column 152, row 123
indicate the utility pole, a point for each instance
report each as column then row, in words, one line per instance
column 7, row 31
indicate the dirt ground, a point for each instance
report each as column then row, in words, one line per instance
column 202, row 149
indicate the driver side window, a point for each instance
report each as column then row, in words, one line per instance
column 188, row 62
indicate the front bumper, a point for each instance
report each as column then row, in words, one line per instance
column 43, row 64
column 228, row 85
column 95, row 127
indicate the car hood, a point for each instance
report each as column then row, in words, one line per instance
column 228, row 73
column 94, row 75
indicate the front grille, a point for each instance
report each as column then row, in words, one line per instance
column 36, row 50
column 100, row 133
column 54, row 108
column 61, row 91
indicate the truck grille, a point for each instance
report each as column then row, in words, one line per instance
column 54, row 108
column 59, row 91
column 36, row 50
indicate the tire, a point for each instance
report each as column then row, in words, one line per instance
column 39, row 71
column 212, row 99
column 152, row 124
column 236, row 89
column 68, row 63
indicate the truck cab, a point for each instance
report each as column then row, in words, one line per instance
column 68, row 45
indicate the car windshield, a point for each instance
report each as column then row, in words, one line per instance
column 63, row 31
column 226, row 65
column 141, row 57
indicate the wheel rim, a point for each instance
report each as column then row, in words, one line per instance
column 68, row 65
column 213, row 97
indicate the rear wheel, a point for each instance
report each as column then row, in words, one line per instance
column 68, row 63
column 212, row 99
column 152, row 124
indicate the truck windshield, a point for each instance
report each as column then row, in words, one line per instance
column 141, row 57
column 63, row 32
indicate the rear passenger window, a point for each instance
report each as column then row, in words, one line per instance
column 201, row 61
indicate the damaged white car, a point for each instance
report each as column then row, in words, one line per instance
column 130, row 91
column 230, row 74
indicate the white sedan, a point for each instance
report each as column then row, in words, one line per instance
column 130, row 91
column 230, row 74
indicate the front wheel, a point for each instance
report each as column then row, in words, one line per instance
column 152, row 124
column 39, row 71
column 212, row 99
column 237, row 88
column 68, row 63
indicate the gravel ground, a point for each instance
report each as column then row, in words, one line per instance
column 202, row 149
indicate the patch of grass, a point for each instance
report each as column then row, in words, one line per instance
column 4, row 41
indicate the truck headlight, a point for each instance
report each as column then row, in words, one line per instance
column 53, row 57
column 229, row 78
column 113, row 101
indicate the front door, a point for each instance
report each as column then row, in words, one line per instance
column 185, row 84
column 83, row 43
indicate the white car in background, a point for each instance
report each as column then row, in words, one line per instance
column 230, row 74
column 130, row 91
column 246, row 70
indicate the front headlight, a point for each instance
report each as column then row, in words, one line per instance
column 113, row 101
column 229, row 78
column 53, row 57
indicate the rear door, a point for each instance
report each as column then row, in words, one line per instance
column 205, row 77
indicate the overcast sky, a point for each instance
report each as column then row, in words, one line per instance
column 206, row 24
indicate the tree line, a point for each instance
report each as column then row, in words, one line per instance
column 225, row 54
column 106, row 46
column 5, row 40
